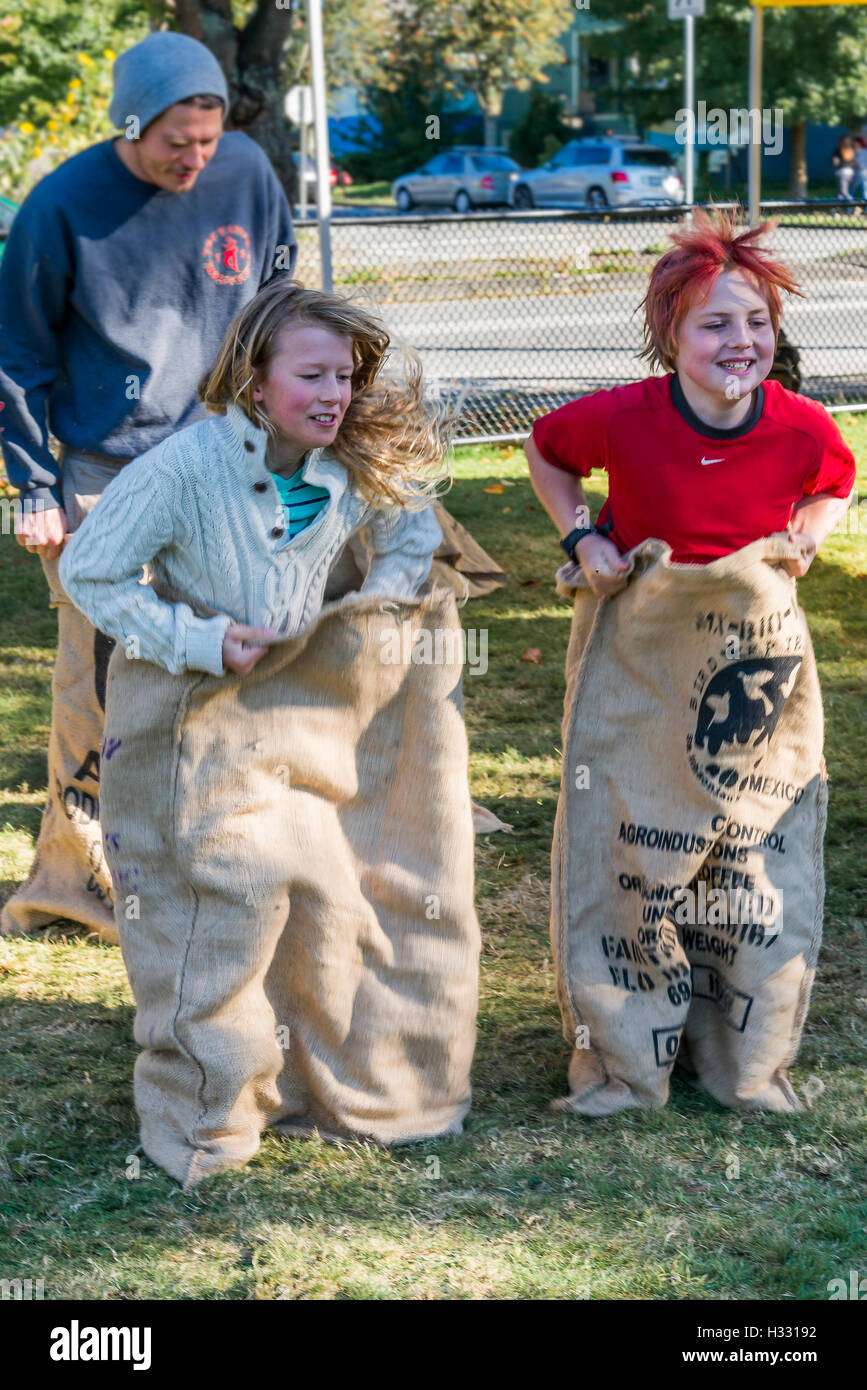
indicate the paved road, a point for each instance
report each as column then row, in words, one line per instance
column 468, row 325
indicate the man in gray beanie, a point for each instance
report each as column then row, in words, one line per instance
column 122, row 272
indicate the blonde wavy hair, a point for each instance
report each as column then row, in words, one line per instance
column 391, row 437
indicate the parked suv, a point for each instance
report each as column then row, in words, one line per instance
column 462, row 178
column 601, row 173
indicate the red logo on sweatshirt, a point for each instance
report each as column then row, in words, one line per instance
column 226, row 254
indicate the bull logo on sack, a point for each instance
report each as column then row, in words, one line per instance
column 739, row 709
column 743, row 703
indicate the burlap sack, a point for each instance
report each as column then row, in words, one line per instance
column 69, row 878
column 692, row 760
column 461, row 563
column 292, row 853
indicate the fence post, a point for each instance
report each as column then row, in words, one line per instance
column 320, row 126
column 755, row 100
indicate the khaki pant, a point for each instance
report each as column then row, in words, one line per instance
column 69, row 878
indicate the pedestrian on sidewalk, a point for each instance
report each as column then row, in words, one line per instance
column 843, row 160
column 860, row 166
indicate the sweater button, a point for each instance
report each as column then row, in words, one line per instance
column 249, row 446
column 277, row 532
column 260, row 487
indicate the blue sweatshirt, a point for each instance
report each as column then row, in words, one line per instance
column 115, row 296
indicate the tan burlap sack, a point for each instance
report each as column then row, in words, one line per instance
column 292, row 853
column 69, row 878
column 687, row 881
column 461, row 563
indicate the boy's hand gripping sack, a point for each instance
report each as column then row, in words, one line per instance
column 687, row 879
column 292, row 852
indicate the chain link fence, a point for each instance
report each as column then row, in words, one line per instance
column 513, row 314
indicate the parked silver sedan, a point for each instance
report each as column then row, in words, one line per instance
column 461, row 178
column 601, row 173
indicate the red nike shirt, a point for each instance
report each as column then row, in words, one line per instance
column 704, row 491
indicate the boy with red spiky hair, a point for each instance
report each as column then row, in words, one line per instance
column 713, row 455
column 693, row 719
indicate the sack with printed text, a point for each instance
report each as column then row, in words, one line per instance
column 687, row 877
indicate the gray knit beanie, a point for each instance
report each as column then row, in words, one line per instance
column 162, row 69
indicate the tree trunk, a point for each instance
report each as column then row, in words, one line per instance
column 252, row 60
column 798, row 160
column 490, row 130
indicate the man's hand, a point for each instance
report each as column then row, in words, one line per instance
column 244, row 646
column 603, row 565
column 798, row 565
column 42, row 533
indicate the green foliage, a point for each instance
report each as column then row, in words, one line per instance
column 550, row 146
column 813, row 66
column 400, row 143
column 489, row 45
column 56, row 58
column 540, row 132
column 32, row 148
column 407, row 104
column 40, row 43
column 434, row 51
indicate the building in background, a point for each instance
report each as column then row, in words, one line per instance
column 583, row 84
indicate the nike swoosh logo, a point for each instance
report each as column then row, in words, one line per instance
column 706, row 461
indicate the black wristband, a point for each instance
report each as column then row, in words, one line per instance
column 569, row 542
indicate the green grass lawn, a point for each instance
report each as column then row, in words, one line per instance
column 360, row 194
column 688, row 1202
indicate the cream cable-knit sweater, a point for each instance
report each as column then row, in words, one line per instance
column 202, row 511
